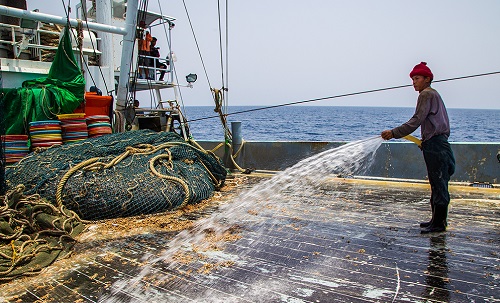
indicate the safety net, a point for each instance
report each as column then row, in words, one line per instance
column 61, row 92
column 120, row 175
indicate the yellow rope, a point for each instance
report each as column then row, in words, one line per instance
column 232, row 158
column 66, row 176
column 214, row 180
column 218, row 146
column 175, row 179
column 14, row 254
column 239, row 149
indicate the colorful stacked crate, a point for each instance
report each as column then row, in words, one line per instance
column 98, row 125
column 45, row 133
column 74, row 127
column 15, row 147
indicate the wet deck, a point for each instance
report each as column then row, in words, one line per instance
column 351, row 241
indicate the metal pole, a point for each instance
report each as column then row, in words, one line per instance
column 103, row 15
column 236, row 132
column 127, row 52
column 236, row 142
column 15, row 12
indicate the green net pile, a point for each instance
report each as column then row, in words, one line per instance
column 33, row 233
column 120, row 175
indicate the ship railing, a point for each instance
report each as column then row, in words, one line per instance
column 29, row 38
column 26, row 36
column 149, row 66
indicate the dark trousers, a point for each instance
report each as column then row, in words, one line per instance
column 440, row 164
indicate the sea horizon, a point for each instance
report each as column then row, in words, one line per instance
column 333, row 123
column 312, row 105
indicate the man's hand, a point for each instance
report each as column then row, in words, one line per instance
column 387, row 134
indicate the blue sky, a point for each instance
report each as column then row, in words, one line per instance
column 287, row 51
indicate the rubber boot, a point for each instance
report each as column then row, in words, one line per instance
column 439, row 222
column 427, row 224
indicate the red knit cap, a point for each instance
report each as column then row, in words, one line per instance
column 421, row 69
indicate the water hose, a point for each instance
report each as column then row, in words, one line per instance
column 414, row 140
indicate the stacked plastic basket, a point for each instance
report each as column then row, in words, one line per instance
column 15, row 147
column 98, row 125
column 45, row 133
column 74, row 127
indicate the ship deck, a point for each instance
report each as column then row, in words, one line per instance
column 351, row 241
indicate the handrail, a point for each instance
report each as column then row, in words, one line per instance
column 15, row 12
column 20, row 41
column 154, row 67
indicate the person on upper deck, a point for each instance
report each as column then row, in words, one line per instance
column 432, row 117
column 144, row 50
column 155, row 52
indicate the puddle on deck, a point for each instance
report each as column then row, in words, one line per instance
column 349, row 241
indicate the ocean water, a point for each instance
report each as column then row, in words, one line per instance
column 334, row 123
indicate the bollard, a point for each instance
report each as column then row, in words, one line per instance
column 236, row 132
column 235, row 144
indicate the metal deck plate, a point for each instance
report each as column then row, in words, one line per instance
column 351, row 241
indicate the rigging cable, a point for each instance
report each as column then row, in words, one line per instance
column 221, row 105
column 132, row 91
column 67, row 12
column 168, row 35
column 224, row 89
column 84, row 11
column 214, row 91
column 197, row 45
column 347, row 95
column 226, row 99
column 220, row 44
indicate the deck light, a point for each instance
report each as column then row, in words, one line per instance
column 191, row 78
column 28, row 24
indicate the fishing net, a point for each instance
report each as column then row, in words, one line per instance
column 120, row 175
column 33, row 233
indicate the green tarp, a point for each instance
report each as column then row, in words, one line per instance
column 61, row 92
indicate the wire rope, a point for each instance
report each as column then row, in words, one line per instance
column 168, row 36
column 346, row 95
column 196, row 41
column 226, row 99
column 171, row 57
column 84, row 12
column 67, row 12
column 220, row 43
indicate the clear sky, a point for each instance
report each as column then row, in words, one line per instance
column 283, row 51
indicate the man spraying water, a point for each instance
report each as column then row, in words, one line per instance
column 432, row 117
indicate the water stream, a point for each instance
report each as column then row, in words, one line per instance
column 254, row 207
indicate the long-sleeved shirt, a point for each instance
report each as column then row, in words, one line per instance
column 430, row 115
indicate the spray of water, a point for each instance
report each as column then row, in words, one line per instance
column 304, row 178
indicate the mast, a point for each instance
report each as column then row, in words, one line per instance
column 103, row 15
column 126, row 61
